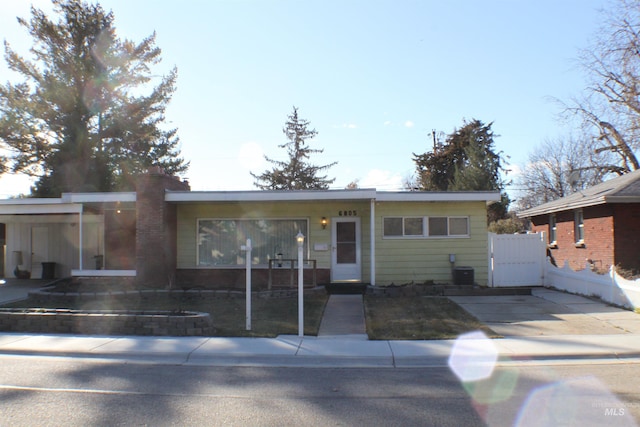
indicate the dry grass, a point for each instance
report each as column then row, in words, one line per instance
column 270, row 316
column 387, row 318
column 418, row 318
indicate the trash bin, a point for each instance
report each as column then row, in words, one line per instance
column 48, row 270
column 99, row 260
column 463, row 276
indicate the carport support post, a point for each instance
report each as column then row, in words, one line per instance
column 247, row 248
column 80, row 239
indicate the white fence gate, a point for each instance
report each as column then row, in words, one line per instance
column 516, row 259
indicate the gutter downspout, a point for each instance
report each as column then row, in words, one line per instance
column 372, row 239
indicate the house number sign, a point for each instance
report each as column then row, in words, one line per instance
column 348, row 213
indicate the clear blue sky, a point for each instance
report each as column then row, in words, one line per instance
column 373, row 77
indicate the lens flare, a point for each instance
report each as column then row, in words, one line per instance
column 473, row 357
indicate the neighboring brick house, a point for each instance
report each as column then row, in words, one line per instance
column 597, row 227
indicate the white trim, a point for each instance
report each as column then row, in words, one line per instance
column 39, row 208
column 80, row 239
column 267, row 196
column 449, row 196
column 103, row 273
column 339, row 271
column 322, row 195
column 129, row 196
column 372, row 240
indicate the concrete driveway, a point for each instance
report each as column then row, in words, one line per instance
column 16, row 289
column 549, row 312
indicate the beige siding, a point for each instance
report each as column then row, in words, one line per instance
column 402, row 261
column 397, row 260
column 188, row 215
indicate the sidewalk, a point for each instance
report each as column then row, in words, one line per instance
column 286, row 351
column 342, row 342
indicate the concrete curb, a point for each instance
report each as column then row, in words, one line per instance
column 292, row 351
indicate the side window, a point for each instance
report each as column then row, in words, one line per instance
column 578, row 222
column 392, row 227
column 552, row 230
column 425, row 227
column 403, row 227
column 438, row 226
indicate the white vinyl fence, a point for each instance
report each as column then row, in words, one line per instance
column 521, row 260
column 516, row 259
column 610, row 287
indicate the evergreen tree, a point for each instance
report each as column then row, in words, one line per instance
column 296, row 173
column 78, row 121
column 466, row 161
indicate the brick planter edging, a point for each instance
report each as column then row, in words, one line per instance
column 121, row 322
column 44, row 296
column 105, row 322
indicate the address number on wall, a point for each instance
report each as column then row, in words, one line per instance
column 348, row 213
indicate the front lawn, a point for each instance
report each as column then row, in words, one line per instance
column 418, row 318
column 270, row 316
column 387, row 318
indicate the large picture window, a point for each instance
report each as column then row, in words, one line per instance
column 219, row 240
column 416, row 227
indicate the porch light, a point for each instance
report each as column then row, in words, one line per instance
column 300, row 239
column 324, row 222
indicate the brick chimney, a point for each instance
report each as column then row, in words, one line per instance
column 156, row 239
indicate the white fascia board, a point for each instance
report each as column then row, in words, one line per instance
column 268, row 196
column 114, row 197
column 425, row 196
column 39, row 208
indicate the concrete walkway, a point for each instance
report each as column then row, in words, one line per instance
column 343, row 317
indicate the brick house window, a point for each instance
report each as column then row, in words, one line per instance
column 552, row 231
column 578, row 223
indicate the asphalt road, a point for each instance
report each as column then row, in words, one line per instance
column 51, row 391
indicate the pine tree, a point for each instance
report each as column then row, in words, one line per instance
column 467, row 161
column 78, row 121
column 296, row 173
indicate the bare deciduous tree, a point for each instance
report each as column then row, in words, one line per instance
column 561, row 167
column 611, row 103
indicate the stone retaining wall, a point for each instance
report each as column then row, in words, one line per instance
column 105, row 322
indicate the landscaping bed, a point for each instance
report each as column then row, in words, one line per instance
column 105, row 322
column 273, row 313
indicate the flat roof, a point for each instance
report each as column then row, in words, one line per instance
column 74, row 202
column 327, row 195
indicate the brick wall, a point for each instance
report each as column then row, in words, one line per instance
column 627, row 235
column 598, row 238
column 235, row 278
column 156, row 228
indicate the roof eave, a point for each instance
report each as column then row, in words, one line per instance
column 542, row 210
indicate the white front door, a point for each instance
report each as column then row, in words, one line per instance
column 345, row 250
